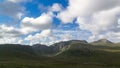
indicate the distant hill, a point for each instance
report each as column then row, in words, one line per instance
column 102, row 41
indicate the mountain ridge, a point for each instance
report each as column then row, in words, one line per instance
column 63, row 48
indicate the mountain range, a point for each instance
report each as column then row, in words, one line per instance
column 72, row 48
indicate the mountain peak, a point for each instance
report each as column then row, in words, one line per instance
column 103, row 41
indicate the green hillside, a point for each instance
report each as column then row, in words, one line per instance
column 77, row 49
column 16, row 51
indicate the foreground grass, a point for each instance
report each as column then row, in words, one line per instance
column 98, row 61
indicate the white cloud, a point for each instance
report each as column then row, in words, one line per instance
column 12, row 35
column 66, row 17
column 46, row 33
column 100, row 17
column 41, row 37
column 56, row 7
column 11, row 10
column 112, row 36
column 17, row 1
column 20, row 41
column 49, row 37
column 101, row 22
column 85, row 7
column 8, row 40
column 9, row 34
column 9, row 31
column 35, row 24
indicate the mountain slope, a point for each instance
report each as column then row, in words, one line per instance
column 102, row 42
column 16, row 51
column 56, row 48
column 43, row 50
column 77, row 49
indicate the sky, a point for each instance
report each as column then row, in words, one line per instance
column 50, row 21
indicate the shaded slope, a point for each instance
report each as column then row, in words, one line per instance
column 43, row 50
column 16, row 51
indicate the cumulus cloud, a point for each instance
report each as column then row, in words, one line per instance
column 113, row 36
column 100, row 17
column 8, row 40
column 49, row 36
column 42, row 37
column 35, row 24
column 9, row 31
column 84, row 7
column 56, row 7
column 101, row 22
column 11, row 9
column 9, row 34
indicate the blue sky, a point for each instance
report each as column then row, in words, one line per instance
column 50, row 21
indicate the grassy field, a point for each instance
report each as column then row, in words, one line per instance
column 108, row 60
